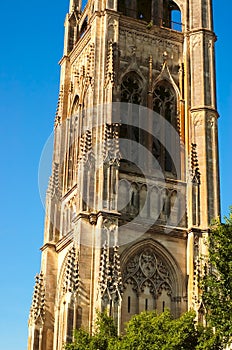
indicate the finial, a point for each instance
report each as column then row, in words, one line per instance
column 165, row 56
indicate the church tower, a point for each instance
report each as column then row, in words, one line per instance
column 135, row 181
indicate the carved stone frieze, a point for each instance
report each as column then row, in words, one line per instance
column 130, row 38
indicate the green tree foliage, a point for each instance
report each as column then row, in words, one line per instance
column 152, row 331
column 148, row 331
column 82, row 341
column 106, row 332
column 217, row 283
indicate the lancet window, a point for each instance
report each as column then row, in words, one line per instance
column 165, row 104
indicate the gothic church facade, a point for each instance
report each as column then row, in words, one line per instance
column 129, row 204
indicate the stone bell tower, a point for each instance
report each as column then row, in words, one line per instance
column 135, row 181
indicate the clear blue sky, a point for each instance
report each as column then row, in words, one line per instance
column 31, row 45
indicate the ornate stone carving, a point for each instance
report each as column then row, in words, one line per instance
column 111, row 153
column 37, row 311
column 147, row 269
column 110, row 279
column 85, row 146
column 110, row 224
column 211, row 120
column 54, row 183
column 71, row 275
column 59, row 107
column 194, row 167
column 110, row 64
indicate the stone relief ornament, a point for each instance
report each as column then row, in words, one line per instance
column 146, row 269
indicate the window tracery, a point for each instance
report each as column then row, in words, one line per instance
column 164, row 102
column 131, row 89
column 148, row 283
column 145, row 269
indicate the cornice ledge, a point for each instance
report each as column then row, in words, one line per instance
column 191, row 32
column 48, row 245
column 64, row 242
column 204, row 108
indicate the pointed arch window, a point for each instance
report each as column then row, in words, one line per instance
column 131, row 92
column 171, row 15
column 131, row 89
column 165, row 104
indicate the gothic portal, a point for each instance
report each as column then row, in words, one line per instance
column 134, row 181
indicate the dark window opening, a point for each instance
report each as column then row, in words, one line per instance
column 166, row 13
column 146, row 304
column 79, row 318
column 135, row 9
column 84, row 27
column 163, row 306
column 144, row 10
column 129, row 305
column 70, row 318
